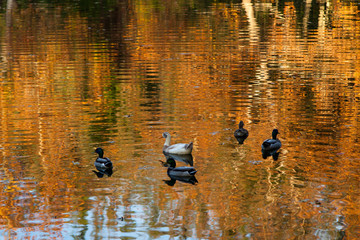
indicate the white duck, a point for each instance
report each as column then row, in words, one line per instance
column 179, row 148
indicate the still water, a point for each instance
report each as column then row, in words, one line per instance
column 116, row 75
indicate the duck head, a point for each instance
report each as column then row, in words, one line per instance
column 275, row 132
column 100, row 151
column 167, row 136
column 171, row 162
column 241, row 124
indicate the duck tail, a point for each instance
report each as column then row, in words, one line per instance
column 108, row 164
column 189, row 146
column 192, row 172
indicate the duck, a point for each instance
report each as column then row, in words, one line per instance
column 270, row 147
column 241, row 134
column 179, row 172
column 102, row 162
column 271, row 144
column 179, row 148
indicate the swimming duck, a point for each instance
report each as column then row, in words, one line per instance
column 179, row 172
column 270, row 147
column 102, row 162
column 271, row 144
column 241, row 134
column 179, row 148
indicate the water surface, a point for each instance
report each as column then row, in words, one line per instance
column 117, row 75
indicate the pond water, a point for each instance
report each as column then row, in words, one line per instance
column 117, row 74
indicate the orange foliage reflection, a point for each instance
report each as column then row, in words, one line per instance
column 66, row 89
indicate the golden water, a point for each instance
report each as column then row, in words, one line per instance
column 117, row 76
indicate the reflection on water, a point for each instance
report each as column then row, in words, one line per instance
column 187, row 158
column 117, row 75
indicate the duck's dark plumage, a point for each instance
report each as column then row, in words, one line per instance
column 191, row 180
column 102, row 162
column 270, row 147
column 101, row 172
column 174, row 171
column 181, row 171
column 272, row 144
column 241, row 134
